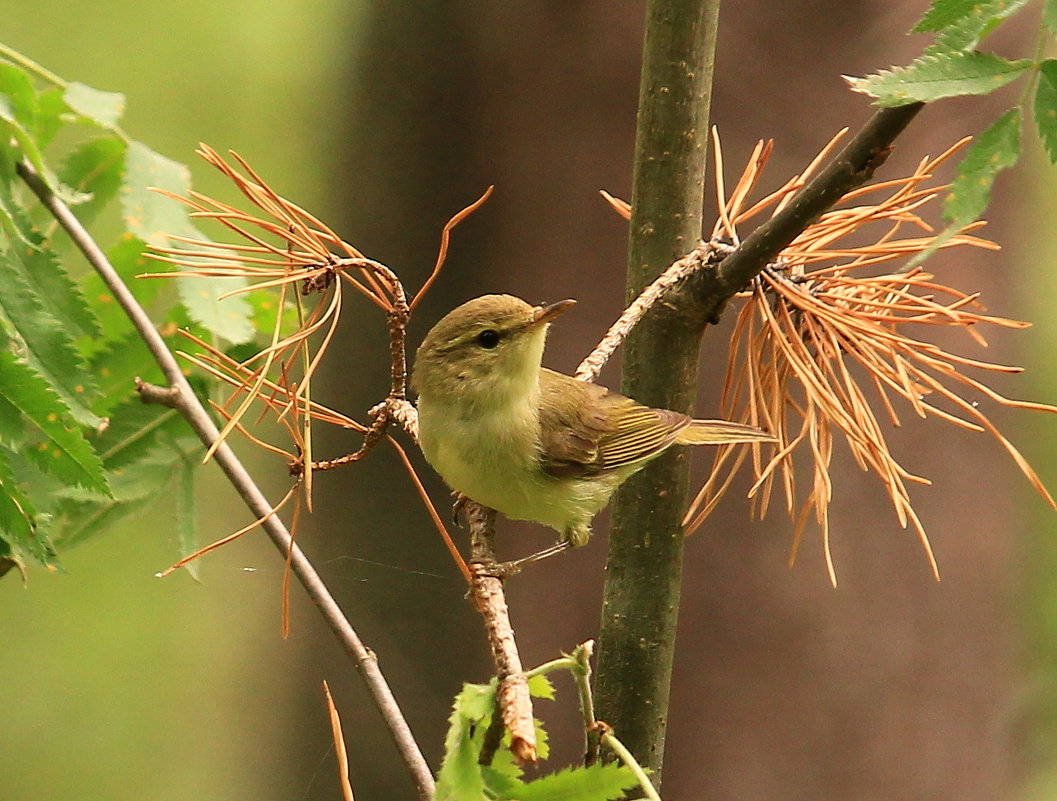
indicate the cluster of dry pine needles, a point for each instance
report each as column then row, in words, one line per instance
column 818, row 334
column 822, row 345
column 289, row 250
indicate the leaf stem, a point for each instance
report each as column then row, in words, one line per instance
column 29, row 65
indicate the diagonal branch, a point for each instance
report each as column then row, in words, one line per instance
column 182, row 398
column 852, row 167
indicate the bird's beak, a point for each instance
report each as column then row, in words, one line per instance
column 544, row 314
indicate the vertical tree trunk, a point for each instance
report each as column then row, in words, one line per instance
column 640, row 611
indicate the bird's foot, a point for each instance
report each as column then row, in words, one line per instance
column 458, row 502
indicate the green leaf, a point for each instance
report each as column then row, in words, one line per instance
column 153, row 217
column 996, row 149
column 63, row 451
column 126, row 257
column 1045, row 107
column 137, row 486
column 136, row 429
column 934, row 76
column 51, row 109
column 460, row 777
column 540, row 687
column 19, row 527
column 40, row 270
column 228, row 317
column 45, row 343
column 943, row 14
column 82, row 520
column 964, row 35
column 12, row 429
column 26, row 145
column 148, row 215
column 94, row 168
column 599, row 782
column 186, row 515
column 116, row 369
column 476, row 702
column 21, row 98
column 103, row 108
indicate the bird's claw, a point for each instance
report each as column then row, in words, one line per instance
column 458, row 503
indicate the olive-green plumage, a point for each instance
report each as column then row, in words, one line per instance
column 527, row 441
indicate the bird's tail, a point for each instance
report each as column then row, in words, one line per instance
column 720, row 432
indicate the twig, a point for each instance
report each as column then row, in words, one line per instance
column 852, row 167
column 513, row 699
column 610, row 741
column 486, row 591
column 182, row 398
column 599, row 732
column 704, row 254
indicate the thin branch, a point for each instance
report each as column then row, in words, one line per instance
column 707, row 253
column 183, row 399
column 486, row 591
column 513, row 699
column 852, row 167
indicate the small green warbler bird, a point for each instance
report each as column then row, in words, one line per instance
column 529, row 442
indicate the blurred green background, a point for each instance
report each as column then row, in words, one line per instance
column 385, row 118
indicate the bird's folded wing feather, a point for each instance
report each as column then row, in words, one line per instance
column 589, row 430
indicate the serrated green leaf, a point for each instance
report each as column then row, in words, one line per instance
column 499, row 784
column 994, row 150
column 103, row 108
column 44, row 342
column 264, row 303
column 599, row 782
column 935, row 76
column 459, row 778
column 116, row 369
column 1045, row 107
column 63, row 451
column 476, row 702
column 18, row 523
column 82, row 520
column 153, row 217
column 540, row 687
column 964, row 35
column 148, row 215
column 12, row 431
column 136, row 487
column 227, row 317
column 39, row 270
column 94, row 168
column 136, row 429
column 126, row 257
column 943, row 14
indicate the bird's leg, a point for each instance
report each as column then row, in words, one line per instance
column 573, row 537
column 516, row 566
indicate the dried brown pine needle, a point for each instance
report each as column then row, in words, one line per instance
column 821, row 351
column 287, row 250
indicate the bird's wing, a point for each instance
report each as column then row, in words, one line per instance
column 589, row 430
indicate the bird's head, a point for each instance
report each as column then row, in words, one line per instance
column 488, row 350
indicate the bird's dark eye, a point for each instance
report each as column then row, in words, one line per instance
column 488, row 338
